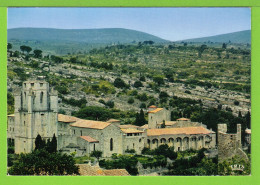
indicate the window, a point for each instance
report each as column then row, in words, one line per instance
column 94, row 147
column 81, row 134
column 133, row 146
column 74, row 132
column 41, row 84
column 111, row 144
column 32, row 84
column 41, row 97
column 24, row 95
column 24, row 123
column 24, row 85
column 140, row 140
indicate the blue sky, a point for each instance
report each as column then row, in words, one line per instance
column 167, row 23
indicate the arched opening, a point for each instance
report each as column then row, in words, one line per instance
column 178, row 144
column 163, row 141
column 155, row 143
column 148, row 143
column 170, row 142
column 41, row 97
column 111, row 144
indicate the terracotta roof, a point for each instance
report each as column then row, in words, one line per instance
column 144, row 126
column 248, row 131
column 89, row 139
column 152, row 106
column 90, row 124
column 116, row 172
column 183, row 119
column 175, row 131
column 131, row 130
column 10, row 115
column 128, row 126
column 155, row 110
column 113, row 121
column 66, row 118
column 87, row 170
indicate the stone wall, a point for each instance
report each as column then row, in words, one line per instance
column 229, row 145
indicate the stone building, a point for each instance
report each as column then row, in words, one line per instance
column 229, row 144
column 36, row 109
column 36, row 112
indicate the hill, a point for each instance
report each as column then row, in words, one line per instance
column 107, row 35
column 64, row 41
column 235, row 37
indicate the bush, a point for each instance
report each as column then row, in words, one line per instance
column 131, row 151
column 131, row 100
column 119, row 83
column 138, row 84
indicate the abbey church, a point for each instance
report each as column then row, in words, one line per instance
column 36, row 112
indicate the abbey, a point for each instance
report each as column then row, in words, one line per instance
column 36, row 112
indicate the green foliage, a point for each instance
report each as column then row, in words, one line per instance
column 159, row 80
column 41, row 162
column 119, row 83
column 97, row 154
column 37, row 53
column 130, row 100
column 9, row 46
column 10, row 103
column 138, row 84
column 130, row 151
column 127, row 162
column 140, row 118
column 224, row 168
column 142, row 97
column 79, row 103
column 94, row 113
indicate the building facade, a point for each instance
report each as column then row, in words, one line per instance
column 36, row 112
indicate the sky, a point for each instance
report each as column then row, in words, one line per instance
column 167, row 23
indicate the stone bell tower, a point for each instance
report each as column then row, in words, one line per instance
column 36, row 109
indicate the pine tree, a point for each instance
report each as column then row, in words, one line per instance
column 54, row 144
column 142, row 119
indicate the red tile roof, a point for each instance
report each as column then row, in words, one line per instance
column 183, row 119
column 89, row 139
column 90, row 124
column 113, row 121
column 131, row 130
column 152, row 106
column 128, row 126
column 176, row 131
column 66, row 119
column 155, row 110
column 87, row 170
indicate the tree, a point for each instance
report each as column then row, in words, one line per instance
column 53, row 144
column 37, row 53
column 131, row 100
column 138, row 84
column 23, row 48
column 41, row 162
column 163, row 124
column 159, row 80
column 94, row 113
column 224, row 46
column 142, row 78
column 119, row 83
column 39, row 143
column 9, row 46
column 28, row 49
column 143, row 106
column 97, row 154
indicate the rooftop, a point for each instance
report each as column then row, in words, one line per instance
column 248, row 131
column 89, row 139
column 155, row 110
column 88, row 170
column 152, row 106
column 66, row 119
column 113, row 121
column 90, row 124
column 183, row 119
column 168, row 123
column 176, row 131
column 10, row 115
column 131, row 130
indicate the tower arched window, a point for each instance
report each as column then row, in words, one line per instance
column 41, row 97
column 111, row 144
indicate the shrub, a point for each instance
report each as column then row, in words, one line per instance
column 131, row 100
